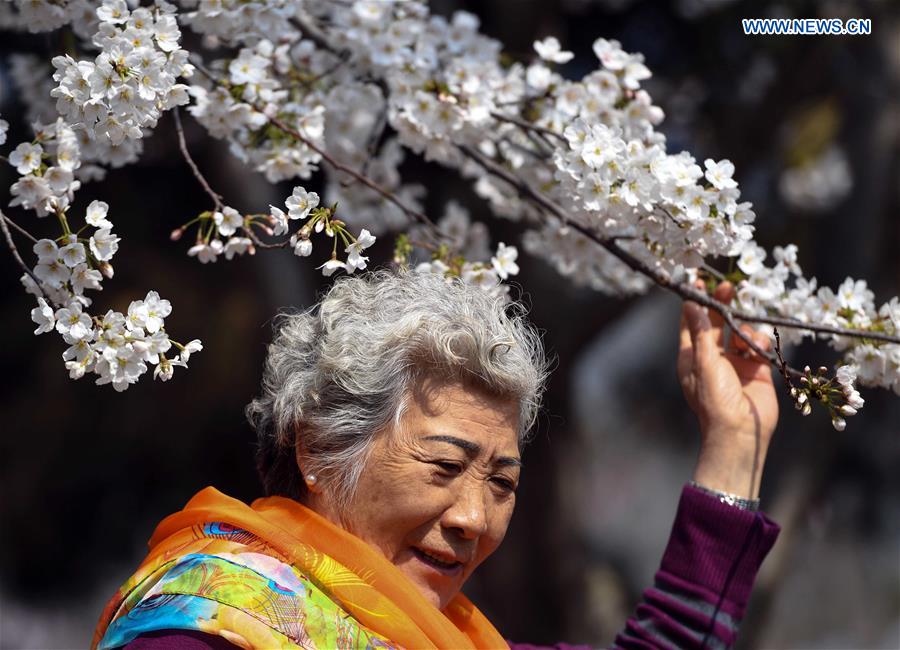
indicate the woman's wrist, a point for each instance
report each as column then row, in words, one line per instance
column 727, row 497
column 731, row 463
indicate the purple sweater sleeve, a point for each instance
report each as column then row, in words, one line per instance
column 701, row 589
column 704, row 580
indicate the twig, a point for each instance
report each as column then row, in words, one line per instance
column 362, row 178
column 18, row 258
column 528, row 126
column 182, row 144
column 260, row 243
column 718, row 275
column 20, row 229
column 781, row 363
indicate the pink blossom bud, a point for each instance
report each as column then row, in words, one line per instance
column 806, row 369
column 802, row 398
column 839, row 423
column 823, row 370
column 807, row 409
column 176, row 234
column 848, row 410
column 106, row 269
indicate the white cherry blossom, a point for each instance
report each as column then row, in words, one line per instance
column 549, row 49
column 44, row 317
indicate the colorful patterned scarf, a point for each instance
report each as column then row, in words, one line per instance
column 277, row 575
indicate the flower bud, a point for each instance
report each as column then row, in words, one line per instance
column 176, row 234
column 848, row 410
column 807, row 409
column 794, row 392
column 823, row 370
column 806, row 369
column 106, row 269
column 815, row 381
column 802, row 398
column 838, row 423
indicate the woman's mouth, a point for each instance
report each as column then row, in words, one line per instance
column 438, row 563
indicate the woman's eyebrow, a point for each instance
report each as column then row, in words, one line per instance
column 469, row 446
column 473, row 448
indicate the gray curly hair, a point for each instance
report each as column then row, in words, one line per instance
column 339, row 373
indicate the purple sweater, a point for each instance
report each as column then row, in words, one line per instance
column 698, row 598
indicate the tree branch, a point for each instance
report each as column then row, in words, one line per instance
column 15, row 252
column 20, row 229
column 182, row 144
column 729, row 314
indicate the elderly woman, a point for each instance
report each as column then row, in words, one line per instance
column 391, row 423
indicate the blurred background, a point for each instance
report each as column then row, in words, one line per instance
column 813, row 127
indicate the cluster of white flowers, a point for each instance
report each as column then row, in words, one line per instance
column 304, row 207
column 47, row 167
column 365, row 80
column 236, row 21
column 128, row 85
column 837, row 394
column 488, row 276
column 256, row 90
column 116, row 347
column 782, row 290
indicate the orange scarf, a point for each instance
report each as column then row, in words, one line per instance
column 355, row 575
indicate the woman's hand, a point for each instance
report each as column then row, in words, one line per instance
column 733, row 396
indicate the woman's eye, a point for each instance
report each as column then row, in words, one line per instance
column 504, row 484
column 449, row 467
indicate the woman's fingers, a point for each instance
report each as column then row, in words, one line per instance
column 685, row 347
column 702, row 334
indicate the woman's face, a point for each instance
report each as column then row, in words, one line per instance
column 436, row 495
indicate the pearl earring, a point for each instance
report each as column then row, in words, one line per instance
column 311, row 480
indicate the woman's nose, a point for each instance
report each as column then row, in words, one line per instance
column 468, row 512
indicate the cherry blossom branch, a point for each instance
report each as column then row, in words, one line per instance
column 729, row 314
column 182, row 144
column 15, row 252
